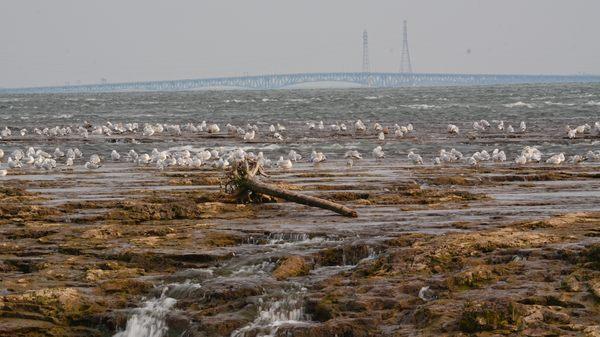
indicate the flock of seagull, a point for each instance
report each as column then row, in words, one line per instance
column 219, row 158
column 250, row 131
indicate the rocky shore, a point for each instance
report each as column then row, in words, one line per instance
column 432, row 253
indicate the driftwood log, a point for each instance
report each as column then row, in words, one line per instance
column 242, row 181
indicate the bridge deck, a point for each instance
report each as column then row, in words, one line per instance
column 261, row 82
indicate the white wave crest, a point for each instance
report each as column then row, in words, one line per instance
column 520, row 104
column 558, row 103
column 422, row 106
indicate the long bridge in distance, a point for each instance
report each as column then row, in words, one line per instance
column 282, row 81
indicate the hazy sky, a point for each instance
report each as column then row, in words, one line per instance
column 45, row 42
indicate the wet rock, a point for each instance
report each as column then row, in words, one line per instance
column 102, row 233
column 345, row 196
column 166, row 260
column 451, row 180
column 138, row 211
column 56, row 305
column 221, row 239
column 342, row 327
column 571, row 283
column 233, row 292
column 379, row 266
column 31, row 232
column 341, row 256
column 551, row 316
column 321, row 310
column 491, row 315
column 8, row 191
column 46, row 300
column 222, row 324
column 474, row 277
column 592, row 256
column 560, row 300
column 292, row 266
column 534, row 315
column 424, row 197
column 24, row 211
column 95, row 275
column 423, row 316
column 25, row 264
column 195, row 180
column 592, row 331
column 21, row 327
column 565, row 220
column 127, row 286
column 594, row 286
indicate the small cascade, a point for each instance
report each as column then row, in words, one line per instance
column 287, row 239
column 372, row 254
column 184, row 290
column 279, row 238
column 273, row 314
column 259, row 269
column 149, row 320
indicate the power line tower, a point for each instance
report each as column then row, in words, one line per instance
column 366, row 67
column 405, row 66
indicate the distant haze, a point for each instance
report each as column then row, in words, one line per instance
column 46, row 42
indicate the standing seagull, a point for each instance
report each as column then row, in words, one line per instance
column 378, row 153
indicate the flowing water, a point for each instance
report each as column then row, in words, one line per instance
column 149, row 320
column 243, row 271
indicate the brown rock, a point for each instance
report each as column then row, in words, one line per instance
column 58, row 305
column 291, row 267
column 104, row 232
column 128, row 286
column 570, row 283
column 491, row 315
column 474, row 277
column 592, row 331
column 337, row 327
column 592, row 254
column 595, row 287
column 221, row 239
column 95, row 275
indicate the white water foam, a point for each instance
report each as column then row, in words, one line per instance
column 293, row 239
column 255, row 269
column 558, row 103
column 422, row 106
column 520, row 104
column 273, row 315
column 149, row 320
column 187, row 289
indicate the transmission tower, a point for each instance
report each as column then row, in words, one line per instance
column 405, row 66
column 366, row 67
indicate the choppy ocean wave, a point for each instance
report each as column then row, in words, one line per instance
column 422, row 106
column 559, row 103
column 520, row 104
